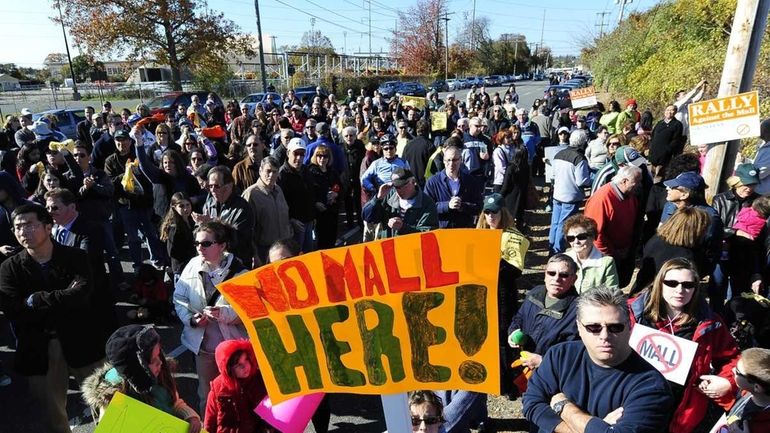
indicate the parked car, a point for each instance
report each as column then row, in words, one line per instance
column 492, row 80
column 476, row 81
column 454, row 84
column 439, row 86
column 388, row 88
column 563, row 92
column 66, row 120
column 539, row 76
column 169, row 101
column 309, row 92
column 411, row 88
column 257, row 98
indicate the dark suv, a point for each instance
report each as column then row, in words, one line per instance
column 168, row 102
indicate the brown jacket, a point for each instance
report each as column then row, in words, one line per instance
column 245, row 173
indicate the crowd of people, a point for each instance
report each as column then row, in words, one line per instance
column 206, row 192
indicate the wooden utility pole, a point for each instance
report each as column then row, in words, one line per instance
column 737, row 76
column 261, row 49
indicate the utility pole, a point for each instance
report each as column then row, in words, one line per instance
column 75, row 94
column 473, row 24
column 261, row 49
column 370, row 27
column 345, row 39
column 737, row 76
column 542, row 30
column 601, row 22
column 622, row 9
column 515, row 54
column 446, row 45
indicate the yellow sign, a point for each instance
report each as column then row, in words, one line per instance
column 126, row 415
column 585, row 97
column 723, row 119
column 413, row 312
column 438, row 121
column 413, row 101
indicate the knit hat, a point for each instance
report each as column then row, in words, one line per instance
column 631, row 101
column 129, row 350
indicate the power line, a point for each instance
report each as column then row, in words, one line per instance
column 341, row 16
column 319, row 18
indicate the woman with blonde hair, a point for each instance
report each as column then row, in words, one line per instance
column 513, row 246
column 674, row 305
column 683, row 235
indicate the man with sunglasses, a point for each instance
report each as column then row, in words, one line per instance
column 598, row 384
column 400, row 207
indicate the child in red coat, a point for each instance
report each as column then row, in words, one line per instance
column 236, row 391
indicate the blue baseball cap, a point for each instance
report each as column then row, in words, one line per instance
column 689, row 179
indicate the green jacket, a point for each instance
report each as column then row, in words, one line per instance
column 421, row 217
column 596, row 270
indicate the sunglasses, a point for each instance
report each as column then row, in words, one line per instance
column 204, row 244
column 614, row 143
column 388, row 148
column 321, row 155
column 612, row 328
column 489, row 212
column 560, row 274
column 579, row 236
column 687, row 285
column 428, row 420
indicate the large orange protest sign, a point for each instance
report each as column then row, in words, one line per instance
column 583, row 97
column 414, row 312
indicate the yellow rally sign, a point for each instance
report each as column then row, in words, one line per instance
column 414, row 312
column 723, row 119
column 413, row 101
column 584, row 97
column 127, row 415
column 437, row 121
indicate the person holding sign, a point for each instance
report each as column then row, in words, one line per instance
column 674, row 305
column 207, row 317
column 137, row 367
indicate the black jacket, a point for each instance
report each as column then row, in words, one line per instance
column 417, row 153
column 727, row 205
column 236, row 212
column 115, row 167
column 62, row 307
column 666, row 142
column 298, row 191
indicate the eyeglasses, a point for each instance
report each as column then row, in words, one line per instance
column 612, row 328
column 579, row 236
column 428, row 420
column 53, row 208
column 321, row 155
column 252, row 144
column 614, row 143
column 29, row 227
column 490, row 212
column 561, row 275
column 687, row 285
column 388, row 148
column 204, row 244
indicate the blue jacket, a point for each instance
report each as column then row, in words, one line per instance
column 338, row 155
column 471, row 192
column 473, row 147
column 545, row 327
column 379, row 172
column 463, row 410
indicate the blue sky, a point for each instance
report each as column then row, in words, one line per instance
column 29, row 34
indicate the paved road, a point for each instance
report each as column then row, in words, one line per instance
column 350, row 413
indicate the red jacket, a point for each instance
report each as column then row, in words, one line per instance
column 231, row 402
column 615, row 220
column 715, row 347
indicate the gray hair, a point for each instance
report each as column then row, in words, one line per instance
column 626, row 172
column 603, row 296
column 563, row 258
column 349, row 129
column 271, row 161
column 579, row 137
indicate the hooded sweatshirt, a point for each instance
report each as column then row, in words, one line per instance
column 231, row 401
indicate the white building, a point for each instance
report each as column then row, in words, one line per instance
column 8, row 83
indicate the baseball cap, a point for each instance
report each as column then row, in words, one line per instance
column 296, row 107
column 747, row 174
column 121, row 133
column 562, row 129
column 294, row 144
column 628, row 155
column 689, row 179
column 400, row 176
column 322, row 128
column 26, row 112
column 493, row 202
